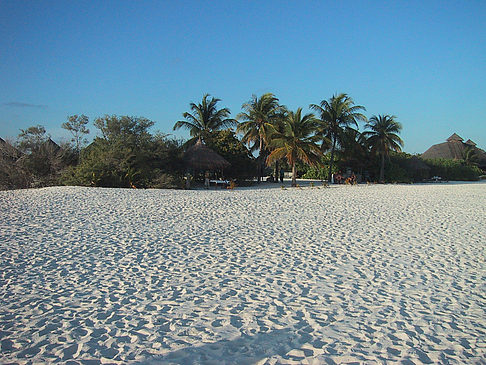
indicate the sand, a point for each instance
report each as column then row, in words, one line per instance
column 347, row 274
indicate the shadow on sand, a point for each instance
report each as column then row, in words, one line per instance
column 242, row 350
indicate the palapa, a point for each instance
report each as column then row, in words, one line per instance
column 455, row 149
column 201, row 157
column 452, row 149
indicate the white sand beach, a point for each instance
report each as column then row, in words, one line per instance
column 346, row 274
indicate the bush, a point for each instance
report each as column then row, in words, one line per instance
column 455, row 170
column 317, row 173
column 167, row 181
column 396, row 174
column 127, row 156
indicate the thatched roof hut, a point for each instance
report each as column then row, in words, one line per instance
column 201, row 157
column 455, row 149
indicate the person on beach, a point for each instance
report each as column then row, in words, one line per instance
column 206, row 180
column 281, row 174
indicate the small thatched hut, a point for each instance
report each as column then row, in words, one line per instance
column 202, row 158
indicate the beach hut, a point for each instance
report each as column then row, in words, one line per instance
column 455, row 149
column 200, row 159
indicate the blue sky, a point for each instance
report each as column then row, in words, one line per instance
column 423, row 61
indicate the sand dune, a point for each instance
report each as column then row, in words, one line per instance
column 269, row 276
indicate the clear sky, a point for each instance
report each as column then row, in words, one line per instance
column 423, row 61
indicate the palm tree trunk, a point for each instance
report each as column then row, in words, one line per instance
column 382, row 168
column 329, row 174
column 294, row 175
column 275, row 175
column 260, row 163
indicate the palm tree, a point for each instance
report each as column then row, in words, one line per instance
column 471, row 156
column 259, row 117
column 336, row 114
column 205, row 118
column 383, row 137
column 296, row 142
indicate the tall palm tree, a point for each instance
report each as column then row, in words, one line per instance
column 296, row 142
column 205, row 118
column 383, row 137
column 336, row 114
column 258, row 118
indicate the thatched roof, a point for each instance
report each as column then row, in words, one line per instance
column 454, row 149
column 201, row 157
column 51, row 144
column 9, row 151
column 454, row 138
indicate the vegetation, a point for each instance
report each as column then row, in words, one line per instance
column 76, row 125
column 127, row 154
column 226, row 144
column 454, row 169
column 205, row 119
column 319, row 171
column 296, row 142
column 34, row 161
column 383, row 138
column 260, row 117
column 336, row 115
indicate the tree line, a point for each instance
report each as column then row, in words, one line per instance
column 313, row 145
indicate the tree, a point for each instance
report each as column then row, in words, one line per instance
column 259, row 117
column 127, row 156
column 12, row 174
column 42, row 159
column 125, row 129
column 31, row 139
column 471, row 156
column 120, row 158
column 227, row 145
column 383, row 137
column 76, row 124
column 296, row 143
column 337, row 114
column 205, row 118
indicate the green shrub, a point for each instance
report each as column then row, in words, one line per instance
column 316, row 173
column 168, row 181
column 396, row 174
column 453, row 170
